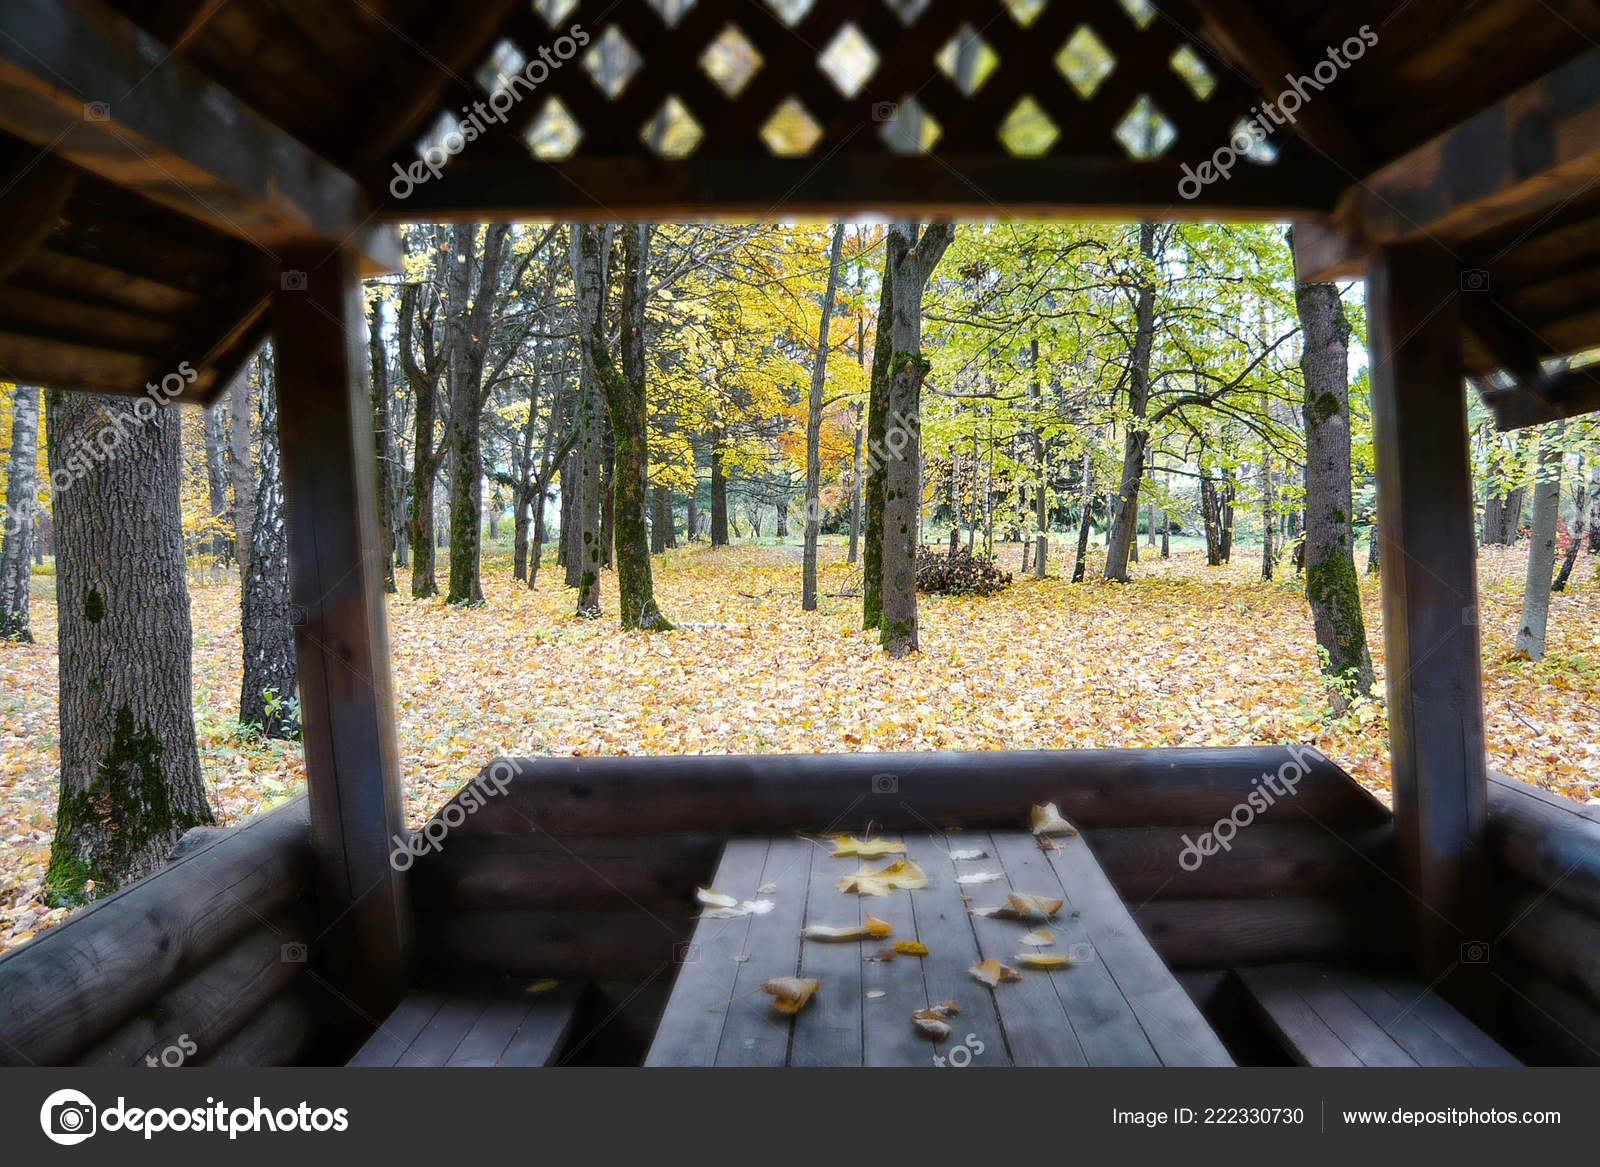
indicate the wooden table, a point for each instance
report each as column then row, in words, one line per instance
column 1117, row 1005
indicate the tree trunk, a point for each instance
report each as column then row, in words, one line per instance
column 1594, row 510
column 1225, row 516
column 608, row 488
column 1166, row 535
column 660, row 519
column 719, row 493
column 913, row 258
column 1576, row 541
column 1542, row 544
column 469, row 320
column 130, row 770
column 383, row 439
column 1373, row 565
column 267, row 695
column 425, row 454
column 876, row 457
column 1330, row 566
column 819, row 373
column 624, row 390
column 571, row 557
column 1085, row 519
column 693, row 518
column 241, row 465
column 1211, row 517
column 1125, row 506
column 21, row 505
column 1266, row 518
column 216, row 484
column 591, row 247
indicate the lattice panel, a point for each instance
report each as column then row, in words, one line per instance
column 1113, row 79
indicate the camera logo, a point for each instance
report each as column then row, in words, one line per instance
column 68, row 1117
column 885, row 784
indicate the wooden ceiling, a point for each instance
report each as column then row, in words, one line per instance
column 767, row 108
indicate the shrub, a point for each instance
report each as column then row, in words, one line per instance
column 960, row 574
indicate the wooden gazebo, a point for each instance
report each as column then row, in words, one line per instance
column 182, row 176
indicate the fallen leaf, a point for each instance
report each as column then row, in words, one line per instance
column 849, row 847
column 873, row 929
column 884, row 955
column 974, row 853
column 930, row 1026
column 1037, row 937
column 901, row 875
column 543, row 985
column 1020, row 906
column 874, row 994
column 1047, row 820
column 980, row 877
column 1044, row 960
column 738, row 909
column 911, row 948
column 789, row 994
column 991, row 972
column 714, row 899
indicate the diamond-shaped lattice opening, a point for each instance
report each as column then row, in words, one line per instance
column 730, row 60
column 848, row 60
column 612, row 61
column 1186, row 63
column 1144, row 130
column 671, row 11
column 791, row 12
column 791, row 131
column 907, row 10
column 554, row 133
column 910, row 129
column 1141, row 12
column 554, row 11
column 673, row 132
column 1260, row 150
column 505, row 62
column 1085, row 61
column 1028, row 131
column 1025, row 12
column 444, row 134
column 967, row 60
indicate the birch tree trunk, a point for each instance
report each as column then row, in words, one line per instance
column 267, row 693
column 591, row 246
column 21, row 504
column 819, row 373
column 1542, row 544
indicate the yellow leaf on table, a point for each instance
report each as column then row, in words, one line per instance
column 1044, row 960
column 849, row 847
column 901, row 875
column 789, row 994
column 930, row 1026
column 911, row 948
column 991, row 972
column 1021, row 906
column 712, row 898
column 1038, row 937
column 1047, row 820
column 542, row 986
column 873, row 929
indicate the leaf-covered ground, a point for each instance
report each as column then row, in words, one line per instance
column 1184, row 656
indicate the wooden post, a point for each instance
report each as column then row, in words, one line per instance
column 346, row 702
column 1430, row 594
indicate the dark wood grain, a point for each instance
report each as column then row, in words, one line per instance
column 753, row 1033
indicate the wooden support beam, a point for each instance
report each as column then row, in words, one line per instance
column 78, row 80
column 1236, row 26
column 341, row 639
column 1526, row 154
column 1548, row 397
column 1430, row 593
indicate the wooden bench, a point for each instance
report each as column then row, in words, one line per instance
column 474, row 1028
column 1329, row 1016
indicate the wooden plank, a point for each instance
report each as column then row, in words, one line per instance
column 1191, row 934
column 692, row 1025
column 1550, row 841
column 341, row 637
column 1444, row 1019
column 1356, row 1028
column 282, row 1034
column 1308, row 1039
column 544, row 1030
column 1175, row 1027
column 737, row 794
column 1101, row 1012
column 72, row 985
column 395, row 1035
column 753, row 1033
column 888, row 1037
column 1038, row 1031
column 79, row 79
column 1430, row 591
column 444, row 1032
column 558, row 942
column 1401, row 1022
column 828, row 1032
column 945, row 926
column 491, row 1033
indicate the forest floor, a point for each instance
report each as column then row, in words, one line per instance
column 1186, row 655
